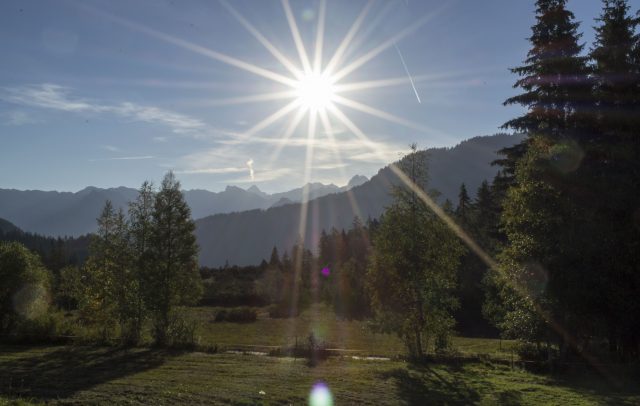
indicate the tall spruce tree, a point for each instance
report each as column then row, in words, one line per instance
column 539, row 261
column 614, row 171
column 463, row 211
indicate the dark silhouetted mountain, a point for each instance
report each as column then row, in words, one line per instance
column 7, row 227
column 248, row 237
column 357, row 180
column 55, row 252
column 282, row 202
column 314, row 191
column 59, row 213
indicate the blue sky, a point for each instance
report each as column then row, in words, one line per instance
column 112, row 93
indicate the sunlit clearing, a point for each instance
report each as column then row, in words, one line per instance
column 320, row 395
column 315, row 91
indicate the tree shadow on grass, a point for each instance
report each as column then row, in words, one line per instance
column 611, row 385
column 423, row 385
column 62, row 372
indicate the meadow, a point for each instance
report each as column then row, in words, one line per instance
column 353, row 336
column 114, row 375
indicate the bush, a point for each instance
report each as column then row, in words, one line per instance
column 221, row 315
column 281, row 311
column 182, row 333
column 531, row 352
column 47, row 328
column 237, row 315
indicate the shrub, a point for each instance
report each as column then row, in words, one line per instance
column 47, row 328
column 531, row 352
column 237, row 315
column 221, row 315
column 182, row 333
column 281, row 311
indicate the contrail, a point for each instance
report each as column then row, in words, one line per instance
column 250, row 166
column 408, row 74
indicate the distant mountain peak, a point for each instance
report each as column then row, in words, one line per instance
column 231, row 188
column 357, row 180
column 256, row 191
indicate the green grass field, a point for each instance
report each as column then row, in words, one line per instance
column 340, row 334
column 111, row 375
column 86, row 375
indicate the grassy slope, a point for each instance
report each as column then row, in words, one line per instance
column 85, row 375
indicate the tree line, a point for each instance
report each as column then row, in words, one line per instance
column 141, row 266
column 568, row 255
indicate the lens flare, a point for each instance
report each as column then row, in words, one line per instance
column 320, row 395
column 325, row 271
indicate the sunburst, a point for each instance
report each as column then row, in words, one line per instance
column 317, row 90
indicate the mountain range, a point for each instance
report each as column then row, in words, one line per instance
column 241, row 226
column 72, row 214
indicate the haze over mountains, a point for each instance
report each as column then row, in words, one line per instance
column 241, row 226
column 72, row 214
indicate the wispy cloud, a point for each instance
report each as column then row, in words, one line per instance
column 264, row 176
column 211, row 171
column 56, row 97
column 123, row 158
column 328, row 167
column 18, row 117
column 110, row 148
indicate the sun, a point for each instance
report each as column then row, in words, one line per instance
column 315, row 91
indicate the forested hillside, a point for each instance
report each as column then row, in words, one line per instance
column 248, row 237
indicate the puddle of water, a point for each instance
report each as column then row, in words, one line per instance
column 370, row 358
column 245, row 352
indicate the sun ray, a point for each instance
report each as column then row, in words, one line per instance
column 384, row 115
column 396, row 81
column 351, row 126
column 328, row 128
column 385, row 45
column 304, row 205
column 370, row 84
column 317, row 58
column 253, row 98
column 488, row 260
column 368, row 29
column 199, row 49
column 287, row 134
column 297, row 39
column 457, row 230
column 295, row 71
column 272, row 118
column 337, row 56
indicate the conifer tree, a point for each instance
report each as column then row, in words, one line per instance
column 174, row 278
column 540, row 242
column 274, row 261
column 464, row 206
column 614, row 171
